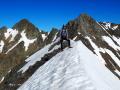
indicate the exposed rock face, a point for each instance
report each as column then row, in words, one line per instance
column 51, row 36
column 31, row 31
column 100, row 37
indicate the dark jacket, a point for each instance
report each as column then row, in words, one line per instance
column 61, row 35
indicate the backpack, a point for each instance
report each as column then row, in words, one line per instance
column 64, row 33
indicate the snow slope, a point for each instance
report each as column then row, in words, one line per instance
column 73, row 69
column 39, row 54
column 34, row 58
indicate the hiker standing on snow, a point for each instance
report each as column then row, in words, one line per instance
column 64, row 36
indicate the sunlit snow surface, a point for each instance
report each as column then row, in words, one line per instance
column 44, row 36
column 12, row 32
column 26, row 40
column 2, row 79
column 76, row 68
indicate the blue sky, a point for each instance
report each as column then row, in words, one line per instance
column 46, row 14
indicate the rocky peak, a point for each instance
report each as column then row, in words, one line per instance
column 84, row 25
column 2, row 30
column 22, row 24
column 51, row 36
column 30, row 29
column 84, row 18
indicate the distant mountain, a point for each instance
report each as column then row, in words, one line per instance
column 17, row 44
column 37, row 54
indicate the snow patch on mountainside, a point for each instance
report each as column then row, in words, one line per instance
column 44, row 36
column 73, row 69
column 55, row 37
column 104, row 29
column 2, row 79
column 12, row 47
column 115, row 27
column 113, row 57
column 26, row 41
column 107, row 25
column 11, row 32
column 1, row 46
column 111, row 43
column 79, row 33
column 116, row 39
column 75, row 38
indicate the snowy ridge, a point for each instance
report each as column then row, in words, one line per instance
column 72, row 69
